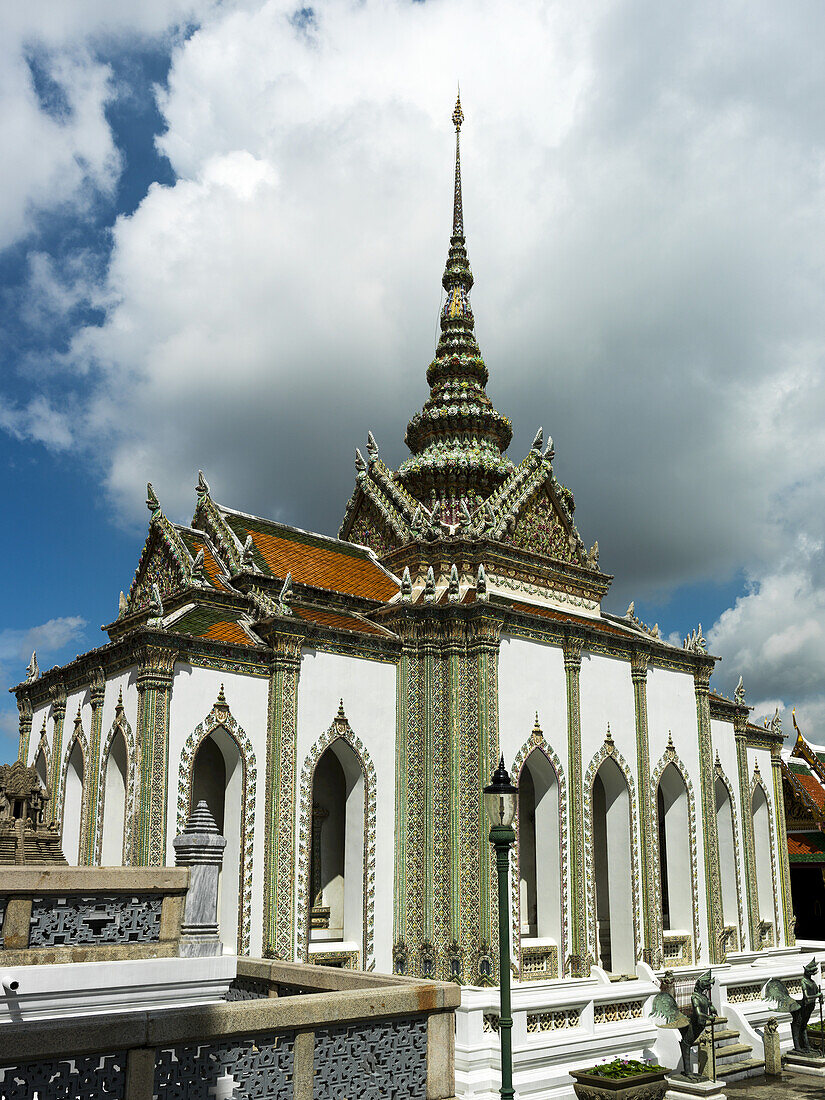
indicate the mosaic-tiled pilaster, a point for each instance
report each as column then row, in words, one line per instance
column 92, row 781
column 58, row 694
column 455, row 730
column 154, row 687
column 578, row 965
column 401, row 798
column 651, row 915
column 279, row 864
column 430, row 672
column 24, row 708
column 472, row 826
column 487, row 629
column 747, row 833
column 713, row 882
column 781, row 831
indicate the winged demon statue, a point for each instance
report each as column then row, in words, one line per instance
column 690, row 1026
column 777, row 992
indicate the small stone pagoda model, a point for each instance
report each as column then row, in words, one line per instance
column 24, row 835
column 690, row 1027
column 777, row 992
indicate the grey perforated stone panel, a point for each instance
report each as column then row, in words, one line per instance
column 247, row 989
column 243, row 1069
column 382, row 1061
column 79, row 1078
column 76, row 919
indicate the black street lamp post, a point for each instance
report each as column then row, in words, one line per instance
column 500, row 801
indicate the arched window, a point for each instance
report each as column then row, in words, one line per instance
column 73, row 805
column 613, row 869
column 727, row 854
column 762, row 855
column 674, row 851
column 337, row 852
column 539, row 848
column 217, row 779
column 114, row 803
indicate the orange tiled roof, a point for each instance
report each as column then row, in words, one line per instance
column 807, row 845
column 311, row 562
column 813, row 788
column 337, row 620
column 226, row 631
column 564, row 616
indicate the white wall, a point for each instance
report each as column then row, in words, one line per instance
column 531, row 678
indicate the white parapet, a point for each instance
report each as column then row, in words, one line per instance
column 95, row 988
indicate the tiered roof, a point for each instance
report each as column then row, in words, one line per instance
column 803, row 775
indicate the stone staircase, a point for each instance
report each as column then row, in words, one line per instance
column 733, row 1058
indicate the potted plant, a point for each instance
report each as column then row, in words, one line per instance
column 621, row 1079
column 815, row 1036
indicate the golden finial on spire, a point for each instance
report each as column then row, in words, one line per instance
column 458, row 114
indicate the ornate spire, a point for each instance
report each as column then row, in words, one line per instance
column 458, row 439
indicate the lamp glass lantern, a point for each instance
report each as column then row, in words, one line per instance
column 501, row 799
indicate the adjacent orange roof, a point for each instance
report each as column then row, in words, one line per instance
column 813, row 788
column 226, row 631
column 337, row 621
column 807, row 846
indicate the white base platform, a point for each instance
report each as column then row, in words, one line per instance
column 680, row 1089
column 804, row 1063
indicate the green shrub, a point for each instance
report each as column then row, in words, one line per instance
column 623, row 1067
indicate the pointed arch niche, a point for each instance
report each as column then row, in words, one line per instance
column 336, row 852
column 116, row 793
column 675, row 814
column 539, row 880
column 218, row 766
column 611, row 861
column 728, row 839
column 74, row 773
column 763, row 852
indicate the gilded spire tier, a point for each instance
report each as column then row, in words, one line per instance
column 458, row 439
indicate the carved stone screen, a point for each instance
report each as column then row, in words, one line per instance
column 79, row 1078
column 388, row 1060
column 241, row 1069
column 76, row 919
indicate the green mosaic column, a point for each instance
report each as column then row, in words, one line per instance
column 747, row 832
column 453, row 652
column 713, row 881
column 788, row 918
column 579, row 961
column 58, row 694
column 279, row 862
column 428, row 651
column 486, row 630
column 92, row 780
column 401, row 803
column 652, row 952
column 154, row 688
column 24, row 708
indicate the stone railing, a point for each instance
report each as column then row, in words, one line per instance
column 395, row 1035
column 56, row 914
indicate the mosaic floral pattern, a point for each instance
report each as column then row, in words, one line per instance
column 220, row 717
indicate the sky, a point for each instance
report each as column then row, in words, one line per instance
column 222, row 232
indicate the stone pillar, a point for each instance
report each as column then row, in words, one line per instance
column 281, row 787
column 788, row 917
column 747, row 832
column 402, row 802
column 200, row 848
column 710, row 840
column 772, row 1052
column 92, row 779
column 25, row 710
column 579, row 961
column 58, row 694
column 430, row 670
column 648, row 830
column 154, row 687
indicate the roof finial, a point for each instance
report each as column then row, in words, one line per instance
column 458, row 211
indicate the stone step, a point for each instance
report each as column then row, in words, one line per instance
column 748, row 1067
column 728, row 1033
column 734, row 1049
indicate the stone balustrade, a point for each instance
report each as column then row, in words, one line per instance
column 302, row 1032
column 59, row 914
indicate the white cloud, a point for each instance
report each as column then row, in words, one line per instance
column 646, row 219
column 46, row 638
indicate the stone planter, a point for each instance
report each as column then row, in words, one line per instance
column 642, row 1086
column 816, row 1038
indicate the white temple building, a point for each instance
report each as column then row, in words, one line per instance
column 340, row 703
